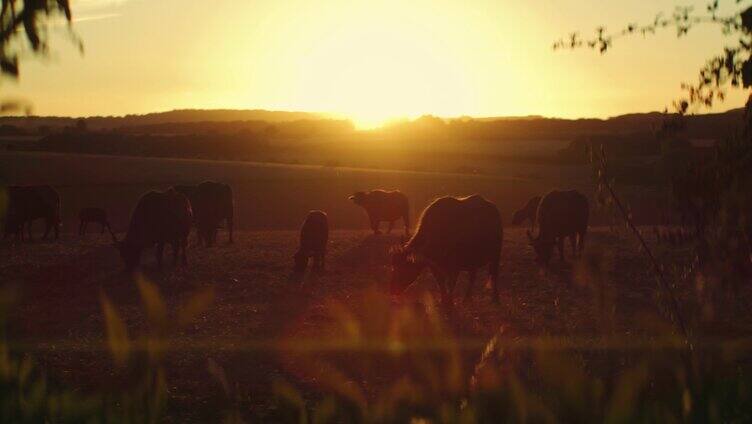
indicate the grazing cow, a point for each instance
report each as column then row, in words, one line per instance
column 159, row 218
column 561, row 214
column 212, row 203
column 454, row 234
column 314, row 236
column 384, row 206
column 528, row 212
column 28, row 203
column 96, row 215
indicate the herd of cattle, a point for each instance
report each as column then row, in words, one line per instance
column 454, row 234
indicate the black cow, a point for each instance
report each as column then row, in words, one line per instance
column 453, row 235
column 29, row 203
column 384, row 206
column 561, row 214
column 212, row 203
column 159, row 218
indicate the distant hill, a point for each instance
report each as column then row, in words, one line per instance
column 171, row 117
column 228, row 121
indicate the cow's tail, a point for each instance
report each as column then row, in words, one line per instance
column 406, row 218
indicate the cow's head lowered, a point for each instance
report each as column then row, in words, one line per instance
column 405, row 269
column 543, row 248
column 359, row 198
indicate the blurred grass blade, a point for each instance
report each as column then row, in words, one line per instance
column 156, row 311
column 117, row 333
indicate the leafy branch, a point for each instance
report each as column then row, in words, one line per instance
column 732, row 67
column 24, row 20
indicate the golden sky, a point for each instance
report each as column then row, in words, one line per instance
column 368, row 60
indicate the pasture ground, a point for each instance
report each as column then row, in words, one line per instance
column 260, row 322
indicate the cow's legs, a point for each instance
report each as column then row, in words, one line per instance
column 573, row 242
column 230, row 225
column 441, row 280
column 406, row 220
column 391, row 226
column 202, row 237
column 560, row 245
column 446, row 282
column 470, row 284
column 81, row 228
column 47, row 227
column 160, row 253
column 318, row 262
column 581, row 243
column 175, row 252
column 451, row 282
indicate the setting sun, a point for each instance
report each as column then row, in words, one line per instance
column 373, row 72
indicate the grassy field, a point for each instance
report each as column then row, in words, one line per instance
column 263, row 328
column 276, row 196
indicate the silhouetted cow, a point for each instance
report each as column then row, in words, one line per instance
column 159, row 218
column 453, row 235
column 28, row 203
column 384, row 206
column 561, row 214
column 528, row 212
column 314, row 236
column 95, row 215
column 212, row 203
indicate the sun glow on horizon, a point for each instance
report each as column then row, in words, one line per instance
column 377, row 70
column 371, row 62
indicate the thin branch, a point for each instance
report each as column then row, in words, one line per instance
column 664, row 285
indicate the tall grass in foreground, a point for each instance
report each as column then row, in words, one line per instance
column 545, row 379
column 384, row 360
column 26, row 395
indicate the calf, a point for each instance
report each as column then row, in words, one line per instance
column 314, row 236
column 95, row 215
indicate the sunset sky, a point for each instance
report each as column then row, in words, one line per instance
column 366, row 60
